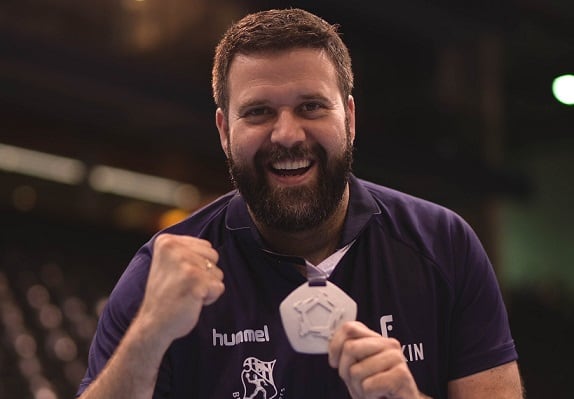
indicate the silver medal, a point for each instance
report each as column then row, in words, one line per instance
column 312, row 313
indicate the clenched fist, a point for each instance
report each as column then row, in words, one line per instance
column 183, row 278
column 372, row 366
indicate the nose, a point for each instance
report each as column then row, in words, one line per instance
column 287, row 129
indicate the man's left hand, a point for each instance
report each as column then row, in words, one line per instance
column 371, row 365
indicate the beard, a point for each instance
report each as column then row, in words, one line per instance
column 293, row 209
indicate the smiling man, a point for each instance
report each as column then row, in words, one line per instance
column 288, row 134
column 304, row 282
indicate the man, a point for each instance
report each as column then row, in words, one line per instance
column 196, row 313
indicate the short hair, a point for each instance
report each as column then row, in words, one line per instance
column 278, row 30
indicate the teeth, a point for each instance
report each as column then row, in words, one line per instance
column 291, row 165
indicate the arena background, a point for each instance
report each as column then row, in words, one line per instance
column 107, row 134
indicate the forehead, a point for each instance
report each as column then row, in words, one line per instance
column 282, row 72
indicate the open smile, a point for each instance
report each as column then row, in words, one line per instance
column 291, row 167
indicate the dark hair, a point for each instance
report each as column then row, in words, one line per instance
column 276, row 30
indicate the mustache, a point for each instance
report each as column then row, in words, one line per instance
column 276, row 152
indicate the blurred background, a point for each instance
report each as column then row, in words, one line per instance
column 107, row 135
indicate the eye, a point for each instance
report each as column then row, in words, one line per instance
column 313, row 109
column 311, row 106
column 256, row 112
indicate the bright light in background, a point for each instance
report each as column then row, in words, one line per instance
column 171, row 217
column 563, row 89
column 40, row 164
column 102, row 178
column 137, row 185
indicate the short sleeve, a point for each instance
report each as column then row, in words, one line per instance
column 481, row 337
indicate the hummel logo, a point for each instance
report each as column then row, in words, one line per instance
column 224, row 339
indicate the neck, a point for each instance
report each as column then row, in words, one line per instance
column 315, row 244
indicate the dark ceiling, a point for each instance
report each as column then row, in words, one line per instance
column 445, row 90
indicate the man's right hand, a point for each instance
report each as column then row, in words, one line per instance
column 183, row 278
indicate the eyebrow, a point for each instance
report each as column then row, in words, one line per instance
column 257, row 102
column 250, row 104
column 315, row 96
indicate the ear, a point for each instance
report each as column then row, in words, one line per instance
column 223, row 128
column 351, row 115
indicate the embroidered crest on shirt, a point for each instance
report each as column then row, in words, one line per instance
column 257, row 379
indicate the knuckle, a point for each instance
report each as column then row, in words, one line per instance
column 200, row 291
column 395, row 344
column 349, row 346
column 343, row 374
column 370, row 388
column 352, row 345
column 164, row 241
column 355, row 372
column 193, row 273
column 160, row 240
column 219, row 274
column 219, row 287
column 366, row 389
column 347, row 328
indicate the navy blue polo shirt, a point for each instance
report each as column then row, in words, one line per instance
column 416, row 270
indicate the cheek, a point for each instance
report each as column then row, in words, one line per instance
column 243, row 144
column 335, row 139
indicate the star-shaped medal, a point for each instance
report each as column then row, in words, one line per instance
column 312, row 313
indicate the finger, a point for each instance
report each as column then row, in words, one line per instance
column 208, row 253
column 209, row 281
column 347, row 331
column 352, row 356
column 202, row 241
column 208, row 265
column 215, row 290
column 379, row 362
column 364, row 348
column 204, row 287
column 185, row 245
column 213, row 270
column 364, row 357
column 397, row 381
column 357, row 350
column 202, row 258
column 194, row 241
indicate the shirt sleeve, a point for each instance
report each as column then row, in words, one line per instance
column 481, row 337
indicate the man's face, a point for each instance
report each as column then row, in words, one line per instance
column 288, row 136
